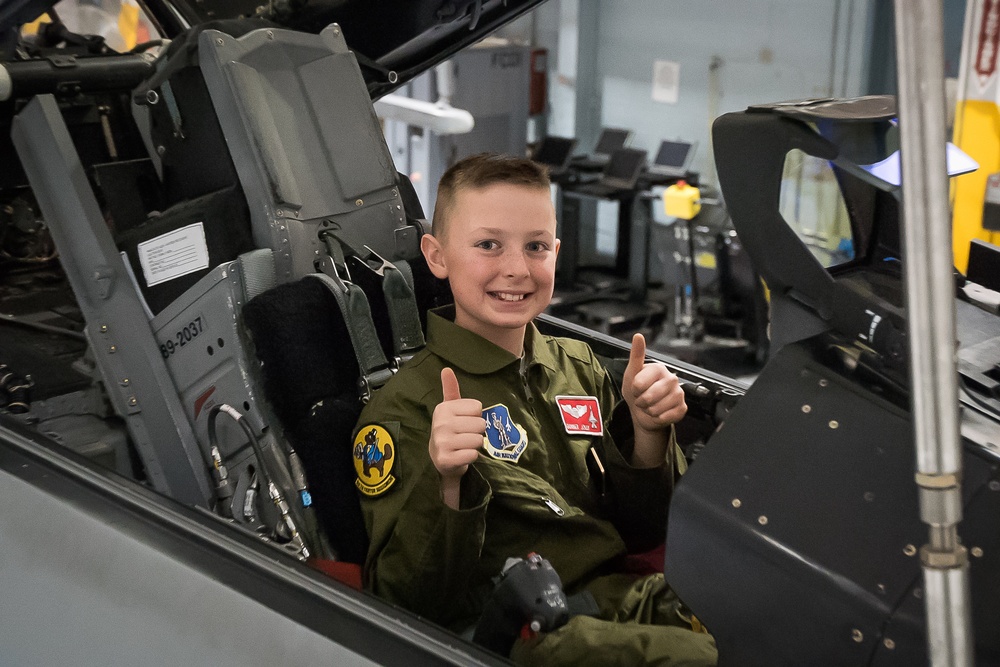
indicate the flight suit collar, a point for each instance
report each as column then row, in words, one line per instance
column 474, row 354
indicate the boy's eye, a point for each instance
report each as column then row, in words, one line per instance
column 488, row 245
column 537, row 246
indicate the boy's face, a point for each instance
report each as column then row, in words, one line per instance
column 498, row 252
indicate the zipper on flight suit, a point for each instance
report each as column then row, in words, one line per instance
column 558, row 511
column 523, row 373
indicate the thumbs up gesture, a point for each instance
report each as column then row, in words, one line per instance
column 457, row 429
column 653, row 394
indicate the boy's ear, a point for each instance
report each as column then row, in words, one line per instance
column 433, row 253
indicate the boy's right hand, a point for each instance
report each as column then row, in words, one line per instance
column 457, row 430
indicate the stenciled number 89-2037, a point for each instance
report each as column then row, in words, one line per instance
column 181, row 337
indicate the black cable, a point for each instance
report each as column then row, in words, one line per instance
column 145, row 46
column 283, row 508
column 244, row 424
column 47, row 328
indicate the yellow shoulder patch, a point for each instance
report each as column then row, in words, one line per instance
column 374, row 458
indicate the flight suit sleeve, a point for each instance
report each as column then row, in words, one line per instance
column 423, row 554
column 638, row 498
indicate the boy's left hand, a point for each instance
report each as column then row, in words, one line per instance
column 653, row 394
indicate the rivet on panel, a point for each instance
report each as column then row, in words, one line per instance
column 125, row 382
column 219, row 42
column 910, row 550
column 132, row 401
column 869, row 496
column 888, row 643
column 359, row 202
column 857, row 635
column 113, row 349
column 977, row 552
column 994, row 485
column 762, row 520
column 104, row 328
column 737, row 502
column 881, row 588
column 834, row 423
column 270, row 35
column 807, row 408
column 824, row 382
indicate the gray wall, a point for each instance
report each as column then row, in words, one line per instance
column 732, row 53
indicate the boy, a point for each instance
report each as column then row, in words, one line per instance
column 482, row 442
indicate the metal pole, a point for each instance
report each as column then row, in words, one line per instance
column 931, row 314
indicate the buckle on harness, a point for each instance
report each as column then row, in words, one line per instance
column 367, row 384
column 334, row 263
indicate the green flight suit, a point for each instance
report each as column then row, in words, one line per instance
column 439, row 562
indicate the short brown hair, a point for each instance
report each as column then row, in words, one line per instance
column 480, row 171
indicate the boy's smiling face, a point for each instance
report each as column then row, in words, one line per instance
column 498, row 251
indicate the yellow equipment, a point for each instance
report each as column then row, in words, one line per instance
column 681, row 200
column 977, row 127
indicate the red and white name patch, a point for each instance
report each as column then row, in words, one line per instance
column 581, row 414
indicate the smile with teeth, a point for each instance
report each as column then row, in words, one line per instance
column 507, row 296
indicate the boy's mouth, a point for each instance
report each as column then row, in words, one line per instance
column 507, row 296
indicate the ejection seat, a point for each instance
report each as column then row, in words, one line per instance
column 266, row 167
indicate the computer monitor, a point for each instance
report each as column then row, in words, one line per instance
column 554, row 152
column 624, row 167
column 984, row 264
column 673, row 158
column 611, row 139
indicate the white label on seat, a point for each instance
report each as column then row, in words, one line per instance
column 174, row 254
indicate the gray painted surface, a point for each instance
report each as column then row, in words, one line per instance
column 306, row 143
column 77, row 591
column 139, row 387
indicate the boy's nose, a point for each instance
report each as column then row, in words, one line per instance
column 515, row 264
